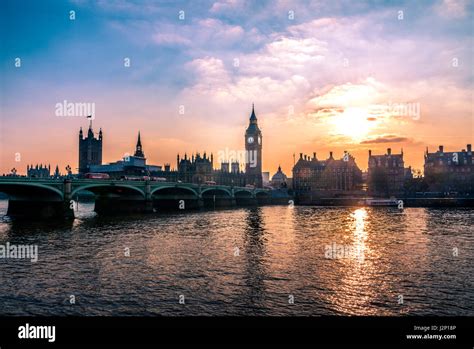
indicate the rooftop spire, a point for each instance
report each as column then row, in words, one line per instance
column 253, row 117
column 138, row 149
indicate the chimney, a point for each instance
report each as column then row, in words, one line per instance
column 389, row 151
column 441, row 148
column 370, row 153
column 301, row 155
column 469, row 148
column 330, row 154
column 314, row 155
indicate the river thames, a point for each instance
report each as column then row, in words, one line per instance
column 273, row 260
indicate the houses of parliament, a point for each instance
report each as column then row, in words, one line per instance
column 196, row 168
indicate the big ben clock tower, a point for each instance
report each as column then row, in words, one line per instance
column 253, row 147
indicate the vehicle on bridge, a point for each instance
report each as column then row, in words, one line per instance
column 134, row 178
column 159, row 179
column 209, row 183
column 92, row 175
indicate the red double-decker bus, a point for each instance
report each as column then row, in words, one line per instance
column 96, row 176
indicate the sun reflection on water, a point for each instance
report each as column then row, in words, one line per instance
column 360, row 234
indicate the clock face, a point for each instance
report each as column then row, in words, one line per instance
column 250, row 140
column 259, row 140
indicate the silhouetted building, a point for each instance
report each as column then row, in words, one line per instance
column 138, row 149
column 450, row 171
column 57, row 174
column 387, row 174
column 129, row 166
column 38, row 171
column 90, row 150
column 279, row 179
column 200, row 169
column 311, row 174
column 253, row 147
column 197, row 169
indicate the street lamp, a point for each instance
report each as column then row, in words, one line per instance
column 68, row 170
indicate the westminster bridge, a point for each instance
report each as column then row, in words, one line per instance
column 48, row 198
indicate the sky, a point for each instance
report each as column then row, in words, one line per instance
column 324, row 76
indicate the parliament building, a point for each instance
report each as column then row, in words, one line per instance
column 196, row 168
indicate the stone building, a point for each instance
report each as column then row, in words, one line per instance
column 337, row 175
column 450, row 171
column 387, row 174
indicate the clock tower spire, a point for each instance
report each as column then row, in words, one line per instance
column 253, row 150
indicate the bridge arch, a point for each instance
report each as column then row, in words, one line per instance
column 9, row 188
column 216, row 189
column 262, row 193
column 108, row 187
column 175, row 197
column 243, row 192
column 157, row 189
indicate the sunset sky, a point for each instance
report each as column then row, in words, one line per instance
column 324, row 76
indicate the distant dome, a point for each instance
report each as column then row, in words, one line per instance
column 279, row 176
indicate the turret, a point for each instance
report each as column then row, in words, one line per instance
column 90, row 133
column 138, row 148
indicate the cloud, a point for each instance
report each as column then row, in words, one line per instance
column 349, row 94
column 386, row 139
column 200, row 35
column 451, row 8
column 170, row 39
column 210, row 72
column 129, row 7
column 226, row 6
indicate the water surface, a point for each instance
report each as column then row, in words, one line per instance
column 247, row 261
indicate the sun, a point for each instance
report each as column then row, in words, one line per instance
column 353, row 123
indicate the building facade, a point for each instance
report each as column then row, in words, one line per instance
column 90, row 150
column 450, row 171
column 386, row 175
column 336, row 175
column 199, row 169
